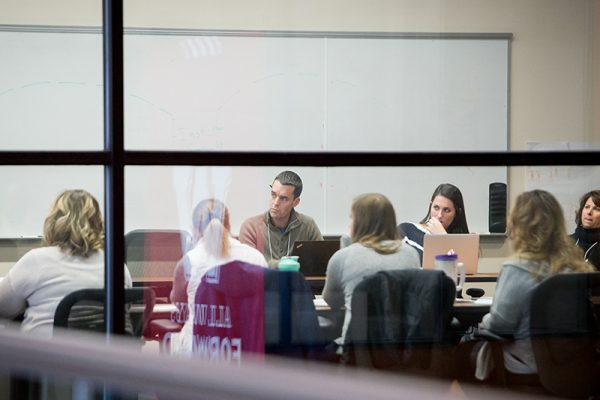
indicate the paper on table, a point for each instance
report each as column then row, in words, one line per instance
column 319, row 302
column 462, row 300
column 484, row 301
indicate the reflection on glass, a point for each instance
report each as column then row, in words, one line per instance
column 208, row 91
column 182, row 224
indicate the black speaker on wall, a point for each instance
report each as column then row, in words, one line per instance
column 497, row 221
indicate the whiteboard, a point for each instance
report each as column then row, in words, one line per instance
column 567, row 182
column 254, row 91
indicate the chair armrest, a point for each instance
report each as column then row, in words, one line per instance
column 159, row 327
column 485, row 334
column 489, row 368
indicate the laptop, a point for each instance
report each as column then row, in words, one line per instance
column 465, row 245
column 314, row 255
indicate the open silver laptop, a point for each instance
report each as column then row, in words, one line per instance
column 465, row 245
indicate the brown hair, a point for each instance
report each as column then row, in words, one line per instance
column 74, row 223
column 536, row 226
column 595, row 195
column 211, row 223
column 374, row 221
column 292, row 179
column 452, row 193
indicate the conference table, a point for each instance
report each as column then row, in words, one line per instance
column 469, row 312
column 466, row 313
column 318, row 282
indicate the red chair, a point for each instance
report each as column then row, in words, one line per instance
column 151, row 257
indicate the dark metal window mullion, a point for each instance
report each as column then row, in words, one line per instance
column 114, row 187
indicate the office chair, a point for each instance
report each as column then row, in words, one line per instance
column 84, row 309
column 565, row 338
column 401, row 320
column 291, row 323
column 565, row 334
column 152, row 255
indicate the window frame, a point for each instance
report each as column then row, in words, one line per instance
column 114, row 158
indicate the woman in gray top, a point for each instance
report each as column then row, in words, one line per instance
column 541, row 247
column 376, row 246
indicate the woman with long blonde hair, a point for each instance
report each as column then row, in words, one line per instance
column 376, row 246
column 541, row 248
column 214, row 246
column 72, row 259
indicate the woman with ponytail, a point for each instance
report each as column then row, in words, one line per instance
column 214, row 246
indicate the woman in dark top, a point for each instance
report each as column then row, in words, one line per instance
column 587, row 233
column 445, row 214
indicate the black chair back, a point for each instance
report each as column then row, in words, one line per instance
column 400, row 319
column 84, row 309
column 291, row 321
column 565, row 333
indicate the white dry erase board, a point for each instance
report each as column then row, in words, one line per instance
column 566, row 182
column 254, row 91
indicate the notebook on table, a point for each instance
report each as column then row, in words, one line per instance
column 465, row 245
column 314, row 255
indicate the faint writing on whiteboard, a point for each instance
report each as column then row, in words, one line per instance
column 567, row 183
column 552, row 174
column 578, row 177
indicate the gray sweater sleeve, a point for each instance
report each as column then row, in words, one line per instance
column 512, row 295
column 333, row 292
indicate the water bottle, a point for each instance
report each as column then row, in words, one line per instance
column 289, row 263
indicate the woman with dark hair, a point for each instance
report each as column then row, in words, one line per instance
column 376, row 246
column 72, row 259
column 587, row 233
column 541, row 248
column 445, row 214
column 214, row 246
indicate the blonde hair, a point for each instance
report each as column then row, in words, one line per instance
column 374, row 221
column 211, row 223
column 74, row 223
column 536, row 226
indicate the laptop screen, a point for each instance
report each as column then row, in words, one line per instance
column 465, row 245
column 314, row 255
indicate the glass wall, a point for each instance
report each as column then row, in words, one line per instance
column 271, row 86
